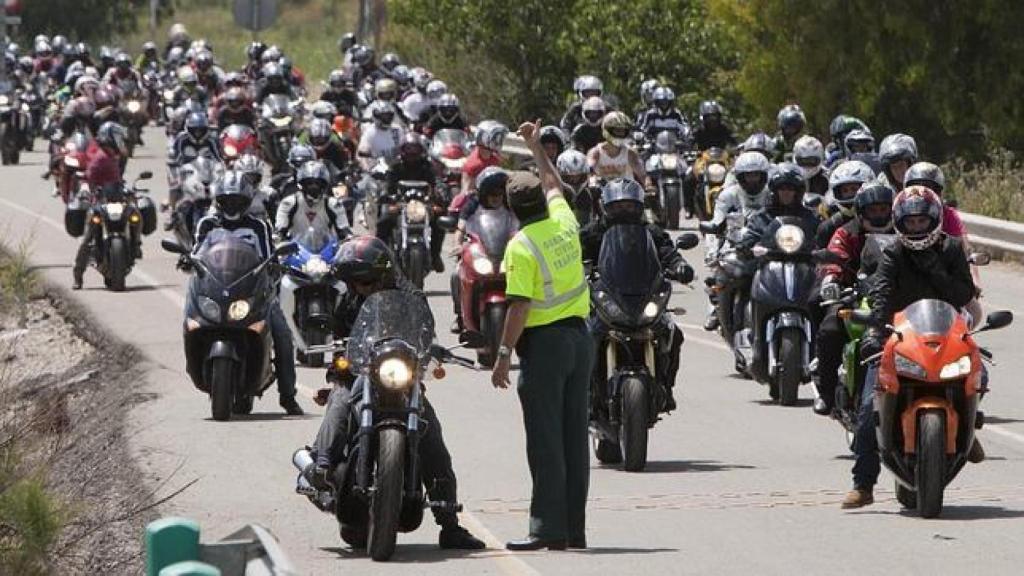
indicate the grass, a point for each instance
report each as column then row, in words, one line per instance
column 31, row 520
column 993, row 188
column 18, row 280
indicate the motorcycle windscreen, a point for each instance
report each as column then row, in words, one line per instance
column 390, row 315
column 494, row 228
column 276, row 105
column 629, row 266
column 228, row 258
column 449, row 140
column 238, row 132
column 930, row 316
column 314, row 239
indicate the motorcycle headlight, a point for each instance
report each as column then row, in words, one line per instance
column 960, row 368
column 669, row 163
column 789, row 238
column 483, row 266
column 71, row 161
column 134, row 106
column 316, row 266
column 394, row 374
column 209, row 309
column 238, row 310
column 168, row 94
column 24, row 107
column 908, row 367
column 282, row 121
column 651, row 310
column 115, row 210
column 230, row 150
column 416, row 211
column 4, row 100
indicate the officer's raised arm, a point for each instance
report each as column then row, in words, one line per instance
column 549, row 178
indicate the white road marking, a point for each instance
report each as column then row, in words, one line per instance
column 1004, row 432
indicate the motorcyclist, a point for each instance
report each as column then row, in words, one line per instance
column 340, row 92
column 273, row 82
column 189, row 88
column 447, row 117
column 264, row 199
column 647, row 88
column 236, row 109
column 106, row 60
column 413, row 165
column 436, row 89
column 844, row 182
column 665, row 116
column 253, row 54
column 104, row 170
column 785, row 198
column 923, row 263
column 712, row 132
column 233, row 195
column 490, row 137
column 572, row 168
column 367, row 266
column 622, row 200
column 587, row 132
column 586, row 87
column 177, row 37
column 809, row 155
column 791, row 122
column 382, row 138
column 613, row 158
column 327, row 145
column 285, row 182
column 554, row 142
column 211, row 77
column 312, row 206
column 78, row 113
column 121, row 74
column 293, row 75
column 149, row 57
column 194, row 141
column 106, row 106
column 896, row 153
column 873, row 207
column 838, row 129
column 417, row 101
column 345, row 45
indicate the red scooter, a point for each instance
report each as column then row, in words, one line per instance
column 478, row 286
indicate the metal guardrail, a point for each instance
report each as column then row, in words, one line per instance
column 1002, row 239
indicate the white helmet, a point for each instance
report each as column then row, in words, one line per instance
column 849, row 172
column 572, row 163
column 593, row 110
column 436, row 89
column 586, row 84
column 752, row 163
column 491, row 134
column 809, row 154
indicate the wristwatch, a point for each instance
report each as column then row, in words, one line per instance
column 504, row 351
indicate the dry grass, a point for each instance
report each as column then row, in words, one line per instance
column 993, row 188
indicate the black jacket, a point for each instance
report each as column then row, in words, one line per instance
column 719, row 136
column 828, row 228
column 592, row 235
column 905, row 276
column 422, row 171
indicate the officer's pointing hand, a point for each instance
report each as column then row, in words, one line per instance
column 530, row 132
column 499, row 377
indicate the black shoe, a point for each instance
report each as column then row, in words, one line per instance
column 137, row 251
column 670, row 403
column 579, row 543
column 76, row 283
column 291, row 406
column 458, row 538
column 456, row 326
column 821, row 408
column 438, row 264
column 534, row 543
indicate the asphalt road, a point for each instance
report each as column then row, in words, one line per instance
column 734, row 485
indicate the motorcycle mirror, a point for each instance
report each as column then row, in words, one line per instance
column 687, row 241
column 473, row 339
column 173, row 247
column 286, row 249
column 996, row 320
column 980, row 258
column 449, row 223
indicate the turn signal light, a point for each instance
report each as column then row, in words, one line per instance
column 845, row 314
column 97, row 220
column 191, row 325
column 257, row 327
column 439, row 373
column 341, row 364
column 135, row 218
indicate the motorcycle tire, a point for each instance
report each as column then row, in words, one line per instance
column 633, row 431
column 221, row 378
column 133, row 137
column 492, row 323
column 386, row 502
column 416, row 264
column 607, row 452
column 930, row 470
column 791, row 369
column 672, row 208
column 314, row 336
column 117, row 264
column 906, row 497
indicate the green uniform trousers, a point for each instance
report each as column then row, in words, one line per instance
column 554, row 387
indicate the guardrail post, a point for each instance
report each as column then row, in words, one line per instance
column 190, row 568
column 170, row 541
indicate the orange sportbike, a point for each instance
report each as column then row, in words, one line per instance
column 930, row 381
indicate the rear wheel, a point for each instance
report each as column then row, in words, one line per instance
column 633, row 433
column 906, row 497
column 386, row 503
column 790, row 366
column 221, row 377
column 931, row 463
column 491, row 324
column 117, row 264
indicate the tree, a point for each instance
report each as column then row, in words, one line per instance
column 93, row 20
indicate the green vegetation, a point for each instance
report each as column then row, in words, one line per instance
column 30, row 519
column 993, row 188
column 18, row 280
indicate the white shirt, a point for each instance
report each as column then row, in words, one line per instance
column 381, row 142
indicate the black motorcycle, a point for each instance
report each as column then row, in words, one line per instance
column 630, row 297
column 410, row 240
column 227, row 332
column 10, row 124
column 378, row 490
column 279, row 123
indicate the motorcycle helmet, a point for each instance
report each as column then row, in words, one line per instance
column 588, row 86
column 554, row 136
column 320, row 134
column 59, row 44
column 572, row 167
column 123, row 62
column 846, row 180
column 112, row 136
column 786, row 175
column 187, row 77
column 616, row 127
column 809, row 155
column 842, row 125
column 758, row 142
column 233, row 194
column 364, row 56
column 895, row 148
column 26, row 65
column 926, row 174
column 272, row 54
column 286, row 66
column 389, row 61
column 874, row 194
column 299, row 155
column 710, row 110
column 436, row 89
column 490, row 186
column 448, row 107
column 911, row 203
column 86, row 85
column 175, row 57
column 106, row 56
column 858, row 141
column 402, row 76
column 421, row 77
column 103, row 98
column 664, row 99
column 314, row 180
column 382, row 113
column 235, row 98
column 791, row 120
column 324, row 110
column 178, row 34
column 593, row 110
column 250, row 165
column 491, row 134
column 346, row 41
column 204, row 61
column 412, row 149
column 43, row 49
column 647, row 88
column 235, row 79
column 751, row 172
column 364, row 260
column 273, row 74
column 622, row 200
column 197, row 126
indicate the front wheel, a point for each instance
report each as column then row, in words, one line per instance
column 790, row 371
column 221, row 383
column 386, row 504
column 492, row 324
column 315, row 337
column 931, row 463
column 672, row 209
column 117, row 264
column 633, row 432
column 416, row 264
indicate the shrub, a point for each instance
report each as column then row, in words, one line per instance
column 992, row 188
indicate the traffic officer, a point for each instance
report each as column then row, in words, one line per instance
column 549, row 300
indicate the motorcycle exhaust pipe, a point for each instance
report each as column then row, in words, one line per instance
column 302, row 459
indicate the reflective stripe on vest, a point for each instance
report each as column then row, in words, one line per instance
column 550, row 298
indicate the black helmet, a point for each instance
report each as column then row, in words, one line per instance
column 255, row 50
column 710, row 109
column 490, row 180
column 337, row 80
column 112, row 135
column 197, row 125
column 299, row 155
column 314, row 179
column 122, row 61
column 758, row 142
column 233, row 194
column 346, row 41
column 925, row 174
column 870, row 195
column 842, row 125
column 554, row 135
column 389, row 61
column 791, row 120
column 623, row 201
column 364, row 260
column 320, row 133
column 786, row 175
column 412, row 148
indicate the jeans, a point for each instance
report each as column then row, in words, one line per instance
column 867, row 465
column 284, row 352
column 830, row 341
